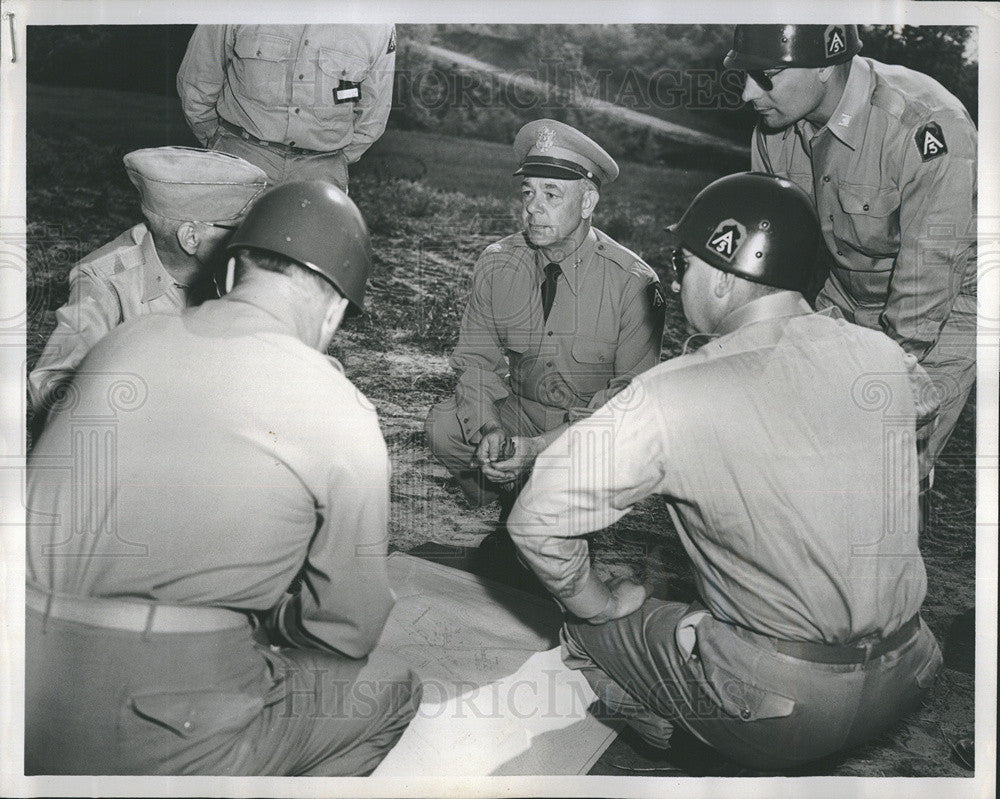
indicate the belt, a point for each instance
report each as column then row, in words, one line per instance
column 139, row 617
column 848, row 653
column 236, row 130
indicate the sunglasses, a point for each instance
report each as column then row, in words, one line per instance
column 763, row 77
column 679, row 261
column 221, row 225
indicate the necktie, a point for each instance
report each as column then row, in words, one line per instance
column 549, row 288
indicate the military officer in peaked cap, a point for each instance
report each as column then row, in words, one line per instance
column 559, row 319
column 888, row 156
column 191, row 200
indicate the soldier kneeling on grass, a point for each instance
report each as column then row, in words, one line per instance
column 559, row 319
column 785, row 447
column 238, row 455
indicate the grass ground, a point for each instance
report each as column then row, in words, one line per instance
column 433, row 202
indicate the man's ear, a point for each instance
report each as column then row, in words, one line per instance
column 590, row 198
column 334, row 314
column 722, row 283
column 188, row 238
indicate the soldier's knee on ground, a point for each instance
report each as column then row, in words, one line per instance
column 442, row 430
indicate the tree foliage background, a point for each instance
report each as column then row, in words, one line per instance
column 624, row 64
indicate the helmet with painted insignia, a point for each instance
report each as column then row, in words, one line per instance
column 759, row 227
column 316, row 225
column 780, row 46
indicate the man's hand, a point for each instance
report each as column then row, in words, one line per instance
column 491, row 448
column 626, row 597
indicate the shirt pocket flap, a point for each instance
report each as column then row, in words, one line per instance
column 197, row 713
column 593, row 350
column 264, row 46
column 868, row 200
column 342, row 66
column 745, row 701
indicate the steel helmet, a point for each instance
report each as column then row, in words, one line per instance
column 315, row 224
column 775, row 46
column 759, row 227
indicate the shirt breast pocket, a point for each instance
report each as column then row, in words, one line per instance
column 261, row 63
column 592, row 365
column 870, row 219
column 342, row 74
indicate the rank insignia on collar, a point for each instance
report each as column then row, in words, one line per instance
column 546, row 138
column 392, row 41
column 930, row 141
column 726, row 238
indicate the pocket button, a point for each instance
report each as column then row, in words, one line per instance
column 745, row 714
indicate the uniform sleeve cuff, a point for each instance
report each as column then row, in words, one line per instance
column 590, row 601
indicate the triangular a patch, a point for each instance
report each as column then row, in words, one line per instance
column 726, row 238
column 836, row 41
column 930, row 141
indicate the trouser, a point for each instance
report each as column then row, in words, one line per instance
column 282, row 165
column 449, row 445
column 672, row 664
column 103, row 701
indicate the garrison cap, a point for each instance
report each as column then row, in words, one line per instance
column 186, row 184
column 546, row 148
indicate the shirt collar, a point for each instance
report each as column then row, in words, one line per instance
column 850, row 118
column 766, row 308
column 570, row 265
column 156, row 279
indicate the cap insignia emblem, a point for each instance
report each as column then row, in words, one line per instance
column 546, row 138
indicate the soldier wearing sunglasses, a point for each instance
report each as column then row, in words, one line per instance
column 888, row 157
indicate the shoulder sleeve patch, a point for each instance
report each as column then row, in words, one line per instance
column 496, row 246
column 656, row 306
column 930, row 141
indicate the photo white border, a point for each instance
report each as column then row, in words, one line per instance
column 986, row 16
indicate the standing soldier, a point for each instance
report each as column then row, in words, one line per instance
column 889, row 159
column 300, row 101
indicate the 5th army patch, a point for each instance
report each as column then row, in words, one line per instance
column 930, row 141
column 726, row 238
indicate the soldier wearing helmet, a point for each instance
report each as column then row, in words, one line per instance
column 805, row 635
column 161, row 634
column 888, row 157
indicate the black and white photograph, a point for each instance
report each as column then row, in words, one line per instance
column 528, row 400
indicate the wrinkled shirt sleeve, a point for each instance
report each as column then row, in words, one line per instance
column 201, row 77
column 588, row 479
column 639, row 340
column 372, row 111
column 479, row 361
column 345, row 595
column 937, row 237
column 90, row 312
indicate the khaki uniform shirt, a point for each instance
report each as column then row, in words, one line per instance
column 122, row 280
column 893, row 176
column 604, row 328
column 318, row 87
column 206, row 457
column 786, row 450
